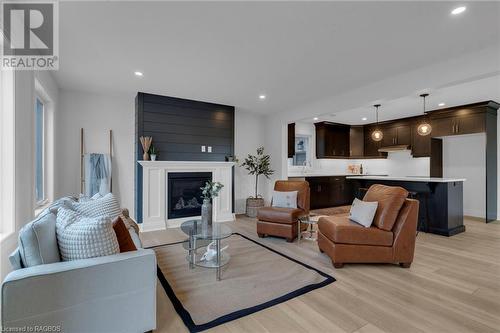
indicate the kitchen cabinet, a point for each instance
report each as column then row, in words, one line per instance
column 420, row 145
column 291, row 140
column 332, row 140
column 330, row 191
column 458, row 123
column 371, row 147
column 396, row 134
column 356, row 141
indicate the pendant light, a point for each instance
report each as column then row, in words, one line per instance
column 424, row 128
column 377, row 134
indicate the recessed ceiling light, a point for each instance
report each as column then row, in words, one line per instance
column 315, row 118
column 364, row 118
column 458, row 10
column 262, row 96
column 139, row 73
column 441, row 104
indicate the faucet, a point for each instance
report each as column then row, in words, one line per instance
column 305, row 164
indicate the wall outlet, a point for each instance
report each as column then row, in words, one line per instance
column 209, row 149
column 203, row 149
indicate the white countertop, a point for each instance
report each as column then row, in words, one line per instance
column 410, row 179
column 316, row 174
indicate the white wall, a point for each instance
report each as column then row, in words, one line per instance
column 99, row 113
column 24, row 104
column 464, row 157
column 249, row 135
column 96, row 114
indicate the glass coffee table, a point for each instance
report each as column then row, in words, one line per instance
column 200, row 236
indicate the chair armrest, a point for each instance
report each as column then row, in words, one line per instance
column 90, row 295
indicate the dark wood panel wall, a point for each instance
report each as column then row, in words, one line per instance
column 182, row 130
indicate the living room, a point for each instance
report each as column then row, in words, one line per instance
column 250, row 166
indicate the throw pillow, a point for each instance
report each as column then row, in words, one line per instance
column 82, row 237
column 285, row 199
column 106, row 206
column 124, row 240
column 38, row 242
column 363, row 212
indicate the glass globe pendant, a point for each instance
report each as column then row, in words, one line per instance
column 377, row 134
column 424, row 128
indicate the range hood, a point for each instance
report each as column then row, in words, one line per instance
column 389, row 149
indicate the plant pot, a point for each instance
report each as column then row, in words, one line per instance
column 153, row 157
column 206, row 213
column 253, row 205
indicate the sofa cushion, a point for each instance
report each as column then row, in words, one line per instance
column 390, row 200
column 38, row 242
column 123, row 236
column 15, row 260
column 279, row 215
column 285, row 199
column 82, row 237
column 106, row 206
column 341, row 230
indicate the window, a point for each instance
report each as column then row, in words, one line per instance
column 302, row 150
column 40, row 152
column 7, row 172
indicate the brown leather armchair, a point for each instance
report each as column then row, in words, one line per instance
column 282, row 222
column 390, row 239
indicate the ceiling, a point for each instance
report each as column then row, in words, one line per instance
column 293, row 52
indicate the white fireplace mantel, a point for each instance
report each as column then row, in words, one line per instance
column 155, row 191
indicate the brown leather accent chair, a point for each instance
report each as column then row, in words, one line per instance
column 282, row 222
column 390, row 239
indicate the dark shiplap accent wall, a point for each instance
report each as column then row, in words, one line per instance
column 179, row 128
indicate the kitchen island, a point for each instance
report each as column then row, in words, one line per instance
column 441, row 200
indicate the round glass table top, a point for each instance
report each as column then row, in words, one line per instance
column 196, row 229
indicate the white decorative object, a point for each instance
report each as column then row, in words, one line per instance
column 84, row 237
column 155, row 191
column 285, row 199
column 211, row 252
column 153, row 157
column 363, row 212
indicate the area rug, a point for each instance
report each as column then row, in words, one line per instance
column 255, row 278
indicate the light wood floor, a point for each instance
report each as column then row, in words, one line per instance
column 453, row 285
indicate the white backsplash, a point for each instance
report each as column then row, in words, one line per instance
column 399, row 163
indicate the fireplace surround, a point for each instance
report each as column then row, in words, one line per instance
column 156, row 196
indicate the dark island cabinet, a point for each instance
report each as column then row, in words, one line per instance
column 330, row 191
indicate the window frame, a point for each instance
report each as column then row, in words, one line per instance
column 44, row 200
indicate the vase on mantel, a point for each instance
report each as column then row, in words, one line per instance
column 206, row 212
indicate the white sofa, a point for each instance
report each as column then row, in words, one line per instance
column 115, row 293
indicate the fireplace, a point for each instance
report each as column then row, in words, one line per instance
column 184, row 193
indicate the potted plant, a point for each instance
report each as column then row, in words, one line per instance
column 153, row 152
column 208, row 192
column 257, row 165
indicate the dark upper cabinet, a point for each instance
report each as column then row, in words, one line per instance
column 443, row 126
column 356, row 141
column 291, row 140
column 470, row 123
column 462, row 121
column 332, row 140
column 420, row 145
column 371, row 147
column 396, row 133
